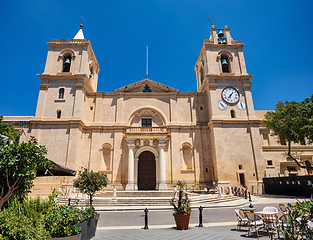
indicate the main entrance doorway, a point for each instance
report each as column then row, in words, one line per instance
column 146, row 171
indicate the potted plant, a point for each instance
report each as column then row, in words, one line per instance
column 89, row 223
column 299, row 224
column 62, row 223
column 89, row 183
column 182, row 208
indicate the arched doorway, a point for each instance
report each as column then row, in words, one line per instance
column 146, row 171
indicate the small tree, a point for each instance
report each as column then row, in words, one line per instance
column 6, row 129
column 90, row 182
column 292, row 122
column 18, row 166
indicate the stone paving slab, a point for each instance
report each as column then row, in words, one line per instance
column 219, row 222
column 167, row 232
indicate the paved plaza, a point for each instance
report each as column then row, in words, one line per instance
column 219, row 221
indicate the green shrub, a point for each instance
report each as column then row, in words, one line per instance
column 300, row 221
column 18, row 225
column 60, row 221
column 87, row 213
column 39, row 219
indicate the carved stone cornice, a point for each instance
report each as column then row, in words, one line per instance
column 80, row 80
column 234, row 121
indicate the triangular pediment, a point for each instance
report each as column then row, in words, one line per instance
column 146, row 85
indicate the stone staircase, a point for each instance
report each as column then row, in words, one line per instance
column 141, row 198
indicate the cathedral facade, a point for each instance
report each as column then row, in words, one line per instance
column 146, row 136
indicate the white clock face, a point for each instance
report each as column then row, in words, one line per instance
column 230, row 95
column 222, row 105
column 241, row 105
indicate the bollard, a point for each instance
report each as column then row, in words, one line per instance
column 246, row 194
column 200, row 216
column 69, row 201
column 250, row 206
column 146, row 219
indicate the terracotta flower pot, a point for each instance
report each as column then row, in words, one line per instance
column 182, row 220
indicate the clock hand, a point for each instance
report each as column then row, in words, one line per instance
column 230, row 95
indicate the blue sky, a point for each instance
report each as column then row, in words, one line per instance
column 277, row 35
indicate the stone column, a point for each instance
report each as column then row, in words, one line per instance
column 131, row 165
column 162, row 183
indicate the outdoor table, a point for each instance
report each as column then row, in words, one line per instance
column 248, row 209
column 266, row 213
column 270, row 219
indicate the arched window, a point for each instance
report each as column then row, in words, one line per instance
column 232, row 113
column 67, row 60
column 225, row 63
column 61, row 93
column 59, row 114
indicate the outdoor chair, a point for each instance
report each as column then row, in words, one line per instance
column 282, row 224
column 255, row 222
column 270, row 209
column 242, row 220
column 271, row 223
column 284, row 208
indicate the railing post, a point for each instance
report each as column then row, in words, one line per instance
column 146, row 219
column 246, row 194
column 200, row 216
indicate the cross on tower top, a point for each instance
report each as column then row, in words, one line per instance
column 211, row 20
column 81, row 24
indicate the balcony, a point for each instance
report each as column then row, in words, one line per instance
column 146, row 131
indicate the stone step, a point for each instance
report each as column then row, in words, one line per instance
column 136, row 194
column 145, row 201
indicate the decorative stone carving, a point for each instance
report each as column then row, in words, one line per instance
column 137, row 143
column 155, row 143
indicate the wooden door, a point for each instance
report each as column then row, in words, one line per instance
column 146, row 171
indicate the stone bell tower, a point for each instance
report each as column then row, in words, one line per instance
column 70, row 73
column 233, row 127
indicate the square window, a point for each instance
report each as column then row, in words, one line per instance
column 269, row 163
column 240, row 166
column 146, row 122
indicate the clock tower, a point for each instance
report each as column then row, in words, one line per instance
column 233, row 127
